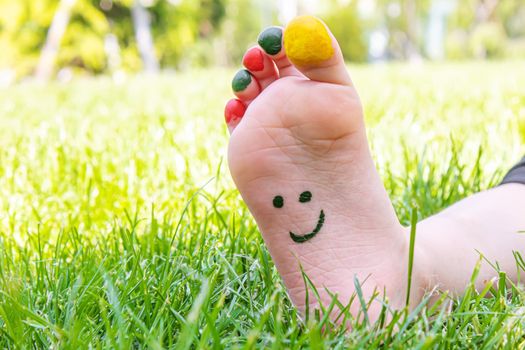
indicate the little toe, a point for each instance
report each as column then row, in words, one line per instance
column 233, row 113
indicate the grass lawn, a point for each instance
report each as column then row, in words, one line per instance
column 120, row 226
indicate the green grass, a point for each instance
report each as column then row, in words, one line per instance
column 120, row 227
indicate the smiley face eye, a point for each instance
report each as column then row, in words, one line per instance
column 278, row 201
column 306, row 196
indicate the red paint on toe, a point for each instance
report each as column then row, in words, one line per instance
column 234, row 110
column 253, row 59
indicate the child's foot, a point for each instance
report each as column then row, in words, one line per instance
column 299, row 156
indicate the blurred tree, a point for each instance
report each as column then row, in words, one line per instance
column 512, row 13
column 53, row 39
column 83, row 43
column 204, row 32
column 27, row 23
column 242, row 26
column 180, row 29
column 287, row 10
column 403, row 19
column 345, row 24
column 142, row 24
column 481, row 28
column 23, row 27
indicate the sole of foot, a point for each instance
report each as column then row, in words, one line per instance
column 299, row 155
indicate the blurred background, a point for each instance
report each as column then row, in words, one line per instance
column 50, row 39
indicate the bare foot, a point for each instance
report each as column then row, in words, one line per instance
column 299, row 156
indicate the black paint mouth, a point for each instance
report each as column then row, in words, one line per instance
column 308, row 236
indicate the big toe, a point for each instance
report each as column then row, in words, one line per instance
column 315, row 52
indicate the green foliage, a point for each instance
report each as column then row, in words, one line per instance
column 403, row 21
column 456, row 45
column 189, row 33
column 23, row 26
column 488, row 40
column 120, row 227
column 481, row 31
column 240, row 29
column 177, row 29
column 347, row 28
column 83, row 42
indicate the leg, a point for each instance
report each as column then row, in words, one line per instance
column 487, row 222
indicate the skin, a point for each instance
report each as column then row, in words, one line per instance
column 304, row 128
column 488, row 222
column 306, row 196
column 304, row 238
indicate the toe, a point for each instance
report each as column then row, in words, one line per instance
column 271, row 41
column 245, row 86
column 260, row 66
column 233, row 113
column 311, row 47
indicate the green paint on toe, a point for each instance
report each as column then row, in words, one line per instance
column 271, row 40
column 241, row 80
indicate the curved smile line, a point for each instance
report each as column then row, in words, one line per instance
column 308, row 236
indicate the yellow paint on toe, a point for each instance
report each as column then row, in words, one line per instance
column 307, row 42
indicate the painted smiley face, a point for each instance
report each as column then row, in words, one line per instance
column 306, row 196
